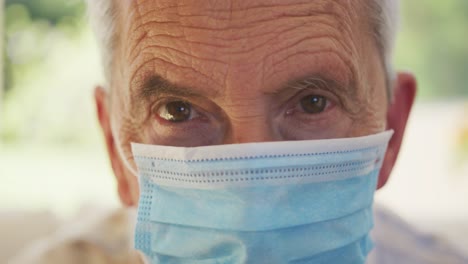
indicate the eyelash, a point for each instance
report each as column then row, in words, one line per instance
column 292, row 108
column 196, row 113
column 294, row 104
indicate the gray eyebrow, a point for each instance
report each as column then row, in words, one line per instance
column 156, row 85
column 323, row 83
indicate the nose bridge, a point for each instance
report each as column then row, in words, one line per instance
column 248, row 110
column 255, row 129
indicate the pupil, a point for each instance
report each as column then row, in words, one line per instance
column 313, row 104
column 178, row 111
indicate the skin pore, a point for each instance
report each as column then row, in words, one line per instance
column 195, row 73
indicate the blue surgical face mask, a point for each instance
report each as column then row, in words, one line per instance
column 274, row 202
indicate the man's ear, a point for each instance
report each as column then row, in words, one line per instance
column 404, row 92
column 101, row 98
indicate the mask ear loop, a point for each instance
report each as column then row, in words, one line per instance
column 132, row 170
column 116, row 135
column 127, row 163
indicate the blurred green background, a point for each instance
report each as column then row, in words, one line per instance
column 51, row 152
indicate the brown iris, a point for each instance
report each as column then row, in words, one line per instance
column 178, row 111
column 313, row 104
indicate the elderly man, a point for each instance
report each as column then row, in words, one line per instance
column 253, row 131
column 315, row 75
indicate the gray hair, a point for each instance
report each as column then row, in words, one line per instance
column 384, row 15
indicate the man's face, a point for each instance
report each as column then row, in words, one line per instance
column 194, row 73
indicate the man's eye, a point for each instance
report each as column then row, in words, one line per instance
column 175, row 111
column 314, row 104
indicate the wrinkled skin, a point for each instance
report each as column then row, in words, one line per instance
column 243, row 68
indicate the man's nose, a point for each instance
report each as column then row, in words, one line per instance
column 258, row 130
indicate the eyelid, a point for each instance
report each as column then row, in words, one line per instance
column 339, row 90
column 196, row 110
column 294, row 104
column 337, row 98
column 164, row 100
column 327, row 93
column 168, row 116
column 329, row 96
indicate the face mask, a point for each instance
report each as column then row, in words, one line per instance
column 274, row 202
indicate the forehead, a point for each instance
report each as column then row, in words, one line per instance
column 214, row 43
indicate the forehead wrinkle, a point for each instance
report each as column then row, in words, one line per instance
column 139, row 74
column 277, row 59
column 349, row 29
column 135, row 23
column 346, row 27
column 249, row 32
column 160, row 7
column 362, row 26
column 179, row 53
column 144, row 43
column 349, row 81
column 261, row 43
column 282, row 15
column 203, row 88
column 155, row 85
column 162, row 57
column 163, row 5
column 277, row 11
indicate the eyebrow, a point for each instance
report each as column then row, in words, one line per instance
column 320, row 82
column 155, row 86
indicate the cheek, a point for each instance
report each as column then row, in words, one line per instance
column 188, row 135
column 333, row 124
column 160, row 132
